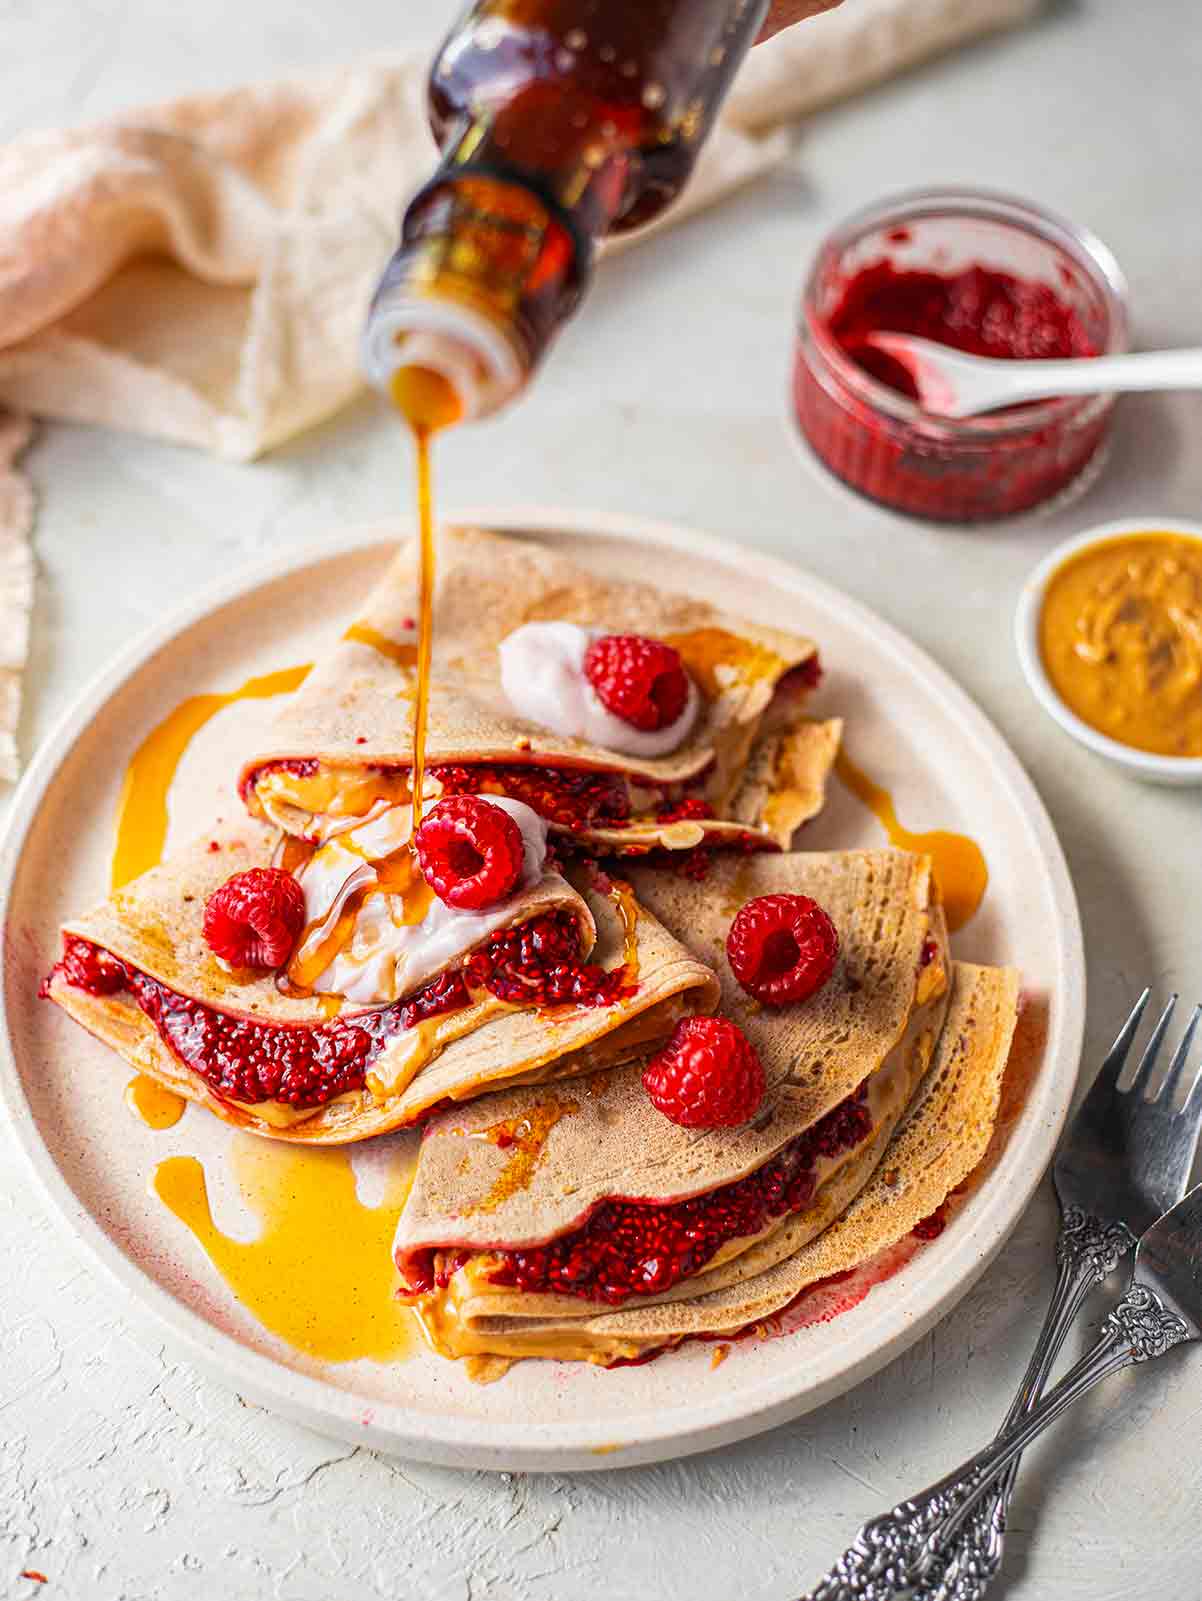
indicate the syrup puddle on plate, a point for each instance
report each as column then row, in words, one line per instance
column 319, row 1273
column 959, row 863
column 141, row 825
column 152, row 1103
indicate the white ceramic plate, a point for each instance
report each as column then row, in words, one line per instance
column 906, row 722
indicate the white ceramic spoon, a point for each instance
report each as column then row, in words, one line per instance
column 951, row 384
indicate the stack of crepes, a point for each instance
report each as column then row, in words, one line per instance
column 582, row 1224
column 562, row 1213
column 393, row 1003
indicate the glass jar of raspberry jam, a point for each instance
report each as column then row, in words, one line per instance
column 984, row 273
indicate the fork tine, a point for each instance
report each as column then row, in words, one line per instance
column 1176, row 1068
column 1143, row 1073
column 1115, row 1058
column 1193, row 1099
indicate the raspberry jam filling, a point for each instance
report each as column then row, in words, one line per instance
column 980, row 310
column 535, row 964
column 572, row 797
column 627, row 1247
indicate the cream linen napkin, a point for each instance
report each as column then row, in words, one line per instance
column 199, row 271
column 16, row 583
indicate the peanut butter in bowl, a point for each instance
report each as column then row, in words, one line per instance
column 1110, row 636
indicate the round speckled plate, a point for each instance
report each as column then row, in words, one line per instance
column 906, row 721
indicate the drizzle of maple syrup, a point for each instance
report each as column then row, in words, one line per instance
column 292, row 853
column 153, row 1103
column 428, row 402
column 627, row 908
column 141, row 825
column 425, row 604
column 333, row 791
column 959, row 865
column 523, row 1138
column 402, row 653
column 705, row 651
column 319, row 1274
column 398, row 874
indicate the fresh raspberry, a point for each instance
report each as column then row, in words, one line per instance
column 782, row 948
column 254, row 918
column 639, row 680
column 470, row 852
column 707, row 1075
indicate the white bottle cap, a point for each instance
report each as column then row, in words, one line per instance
column 470, row 352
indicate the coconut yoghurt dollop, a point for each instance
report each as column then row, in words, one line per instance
column 542, row 674
column 388, row 956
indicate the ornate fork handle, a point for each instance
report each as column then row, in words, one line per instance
column 902, row 1550
column 1088, row 1250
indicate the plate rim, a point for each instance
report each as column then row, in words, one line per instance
column 460, row 1440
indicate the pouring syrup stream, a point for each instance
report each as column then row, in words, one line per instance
column 427, row 402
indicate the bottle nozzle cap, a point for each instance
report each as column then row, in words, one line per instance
column 474, row 360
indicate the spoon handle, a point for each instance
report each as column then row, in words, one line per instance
column 1146, row 369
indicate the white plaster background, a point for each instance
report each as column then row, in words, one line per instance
column 126, row 1477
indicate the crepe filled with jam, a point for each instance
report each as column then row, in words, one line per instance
column 657, row 1106
column 382, row 1001
column 630, row 718
column 536, row 1221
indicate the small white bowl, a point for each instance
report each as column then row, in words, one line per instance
column 1143, row 764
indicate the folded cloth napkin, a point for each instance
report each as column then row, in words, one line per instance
column 16, row 583
column 199, row 270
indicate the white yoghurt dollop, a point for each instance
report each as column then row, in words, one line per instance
column 542, row 674
column 386, row 959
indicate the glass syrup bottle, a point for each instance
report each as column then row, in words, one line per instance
column 559, row 121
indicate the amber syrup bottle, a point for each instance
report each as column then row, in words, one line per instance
column 560, row 121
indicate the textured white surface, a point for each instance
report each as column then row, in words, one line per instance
column 123, row 1476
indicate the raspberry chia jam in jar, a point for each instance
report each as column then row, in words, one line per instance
column 981, row 273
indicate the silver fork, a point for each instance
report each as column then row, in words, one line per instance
column 1125, row 1159
column 1160, row 1308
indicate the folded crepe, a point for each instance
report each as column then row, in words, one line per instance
column 533, row 1212
column 139, row 975
column 751, row 766
column 903, row 1176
